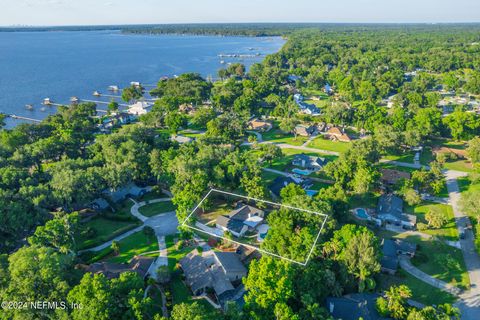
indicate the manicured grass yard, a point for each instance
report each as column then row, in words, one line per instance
column 105, row 230
column 448, row 231
column 153, row 209
column 440, row 261
column 405, row 157
column 152, row 195
column 386, row 165
column 319, row 103
column 278, row 136
column 421, row 291
column 459, row 165
column 134, row 245
column 213, row 213
column 269, row 177
column 326, row 144
column 364, row 201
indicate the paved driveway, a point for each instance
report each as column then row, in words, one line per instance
column 470, row 301
column 163, row 224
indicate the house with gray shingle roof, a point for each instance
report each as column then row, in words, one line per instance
column 217, row 273
column 354, row 306
column 390, row 210
column 240, row 220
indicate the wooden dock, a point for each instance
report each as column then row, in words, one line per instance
column 109, row 96
column 14, row 116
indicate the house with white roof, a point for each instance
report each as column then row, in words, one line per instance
column 139, row 108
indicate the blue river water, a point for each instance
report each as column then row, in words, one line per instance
column 59, row 65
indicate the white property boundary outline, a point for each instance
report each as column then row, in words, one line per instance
column 184, row 223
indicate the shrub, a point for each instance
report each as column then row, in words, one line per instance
column 422, row 226
column 382, row 307
column 180, row 244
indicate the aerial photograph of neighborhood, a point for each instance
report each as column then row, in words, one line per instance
column 240, row 160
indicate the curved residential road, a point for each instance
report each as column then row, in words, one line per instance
column 163, row 224
column 419, row 274
column 469, row 304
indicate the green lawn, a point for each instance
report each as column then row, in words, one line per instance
column 448, row 231
column 278, row 136
column 441, row 261
column 386, row 165
column 459, row 165
column 153, row 209
column 421, row 291
column 152, row 195
column 268, row 177
column 105, row 230
column 319, row 103
column 465, row 184
column 134, row 245
column 364, row 201
column 326, row 144
column 406, row 157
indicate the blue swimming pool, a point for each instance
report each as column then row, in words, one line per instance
column 311, row 193
column 303, row 172
column 362, row 213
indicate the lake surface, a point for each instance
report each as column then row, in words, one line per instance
column 59, row 65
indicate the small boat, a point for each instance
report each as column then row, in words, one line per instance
column 96, row 94
column 222, row 62
column 74, row 100
column 113, row 88
column 43, row 109
column 47, row 101
column 29, row 107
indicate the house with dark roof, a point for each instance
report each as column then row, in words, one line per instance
column 281, row 182
column 129, row 190
column 139, row 265
column 311, row 163
column 231, row 265
column 240, row 220
column 99, row 204
column 354, row 307
column 216, row 271
column 391, row 250
column 390, row 210
column 406, row 248
column 389, row 261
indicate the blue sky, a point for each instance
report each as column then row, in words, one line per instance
column 75, row 12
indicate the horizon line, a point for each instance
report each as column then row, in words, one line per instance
column 241, row 23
